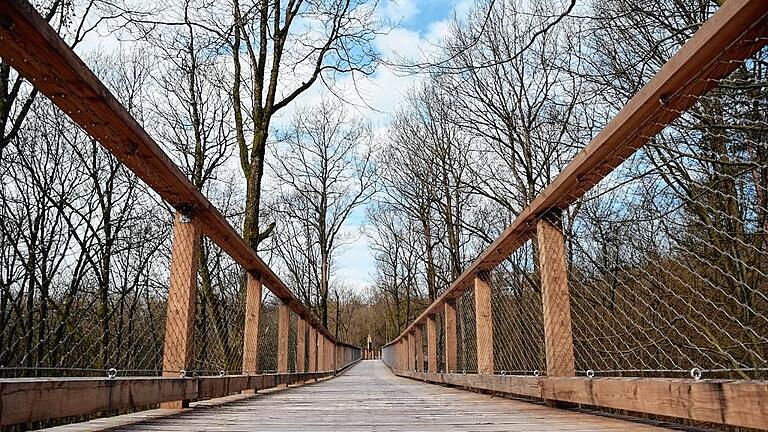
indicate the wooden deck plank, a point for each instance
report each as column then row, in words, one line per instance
column 369, row 397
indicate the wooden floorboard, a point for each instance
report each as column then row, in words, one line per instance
column 369, row 397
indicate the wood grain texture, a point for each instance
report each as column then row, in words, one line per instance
column 283, row 323
column 449, row 319
column 556, row 300
column 312, row 350
column 713, row 52
column 731, row 402
column 431, row 344
column 483, row 324
column 182, row 296
column 369, row 397
column 251, row 326
column 29, row 399
column 411, row 360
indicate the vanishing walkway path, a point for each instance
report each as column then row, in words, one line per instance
column 369, row 397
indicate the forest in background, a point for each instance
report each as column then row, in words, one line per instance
column 513, row 91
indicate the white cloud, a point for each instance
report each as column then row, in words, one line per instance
column 399, row 10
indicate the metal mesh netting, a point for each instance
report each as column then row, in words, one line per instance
column 466, row 340
column 440, row 324
column 83, row 286
column 268, row 328
column 292, row 340
column 518, row 341
column 304, row 359
column 669, row 254
column 220, row 313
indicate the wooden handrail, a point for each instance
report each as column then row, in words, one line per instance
column 34, row 49
column 32, row 399
column 732, row 34
column 732, row 402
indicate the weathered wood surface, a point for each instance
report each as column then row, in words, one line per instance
column 369, row 397
column 25, row 400
column 731, row 402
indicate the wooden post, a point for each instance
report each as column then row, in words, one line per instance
column 419, row 349
column 251, row 332
column 555, row 298
column 301, row 344
column 411, row 351
column 431, row 344
column 320, row 352
column 484, row 324
column 182, row 294
column 312, row 350
column 450, row 335
column 282, row 338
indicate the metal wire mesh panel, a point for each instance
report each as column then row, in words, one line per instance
column 268, row 328
column 669, row 254
column 518, row 342
column 292, row 341
column 84, row 286
column 466, row 337
column 440, row 324
column 388, row 355
column 220, row 314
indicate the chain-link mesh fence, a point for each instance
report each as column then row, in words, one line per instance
column 466, row 337
column 666, row 257
column 669, row 254
column 83, row 286
column 518, row 327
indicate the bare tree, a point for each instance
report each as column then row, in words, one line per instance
column 324, row 172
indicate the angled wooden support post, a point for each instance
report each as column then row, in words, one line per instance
column 251, row 331
column 282, row 338
column 555, row 297
column 450, row 335
column 182, row 294
column 431, row 344
column 301, row 345
column 419, row 349
column 484, row 324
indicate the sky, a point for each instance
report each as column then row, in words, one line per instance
column 420, row 25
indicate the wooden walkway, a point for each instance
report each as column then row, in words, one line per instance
column 369, row 397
